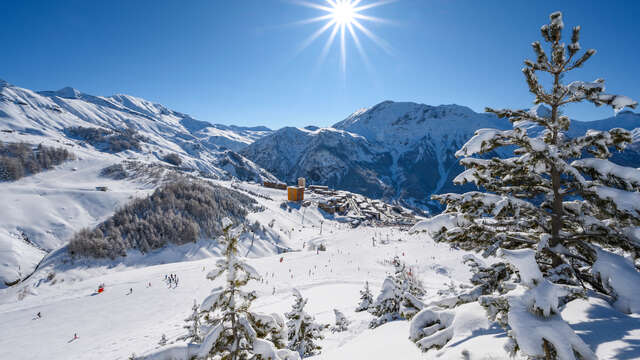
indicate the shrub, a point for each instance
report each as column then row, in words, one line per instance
column 173, row 159
column 107, row 140
column 115, row 171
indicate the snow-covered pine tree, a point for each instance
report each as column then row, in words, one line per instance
column 399, row 297
column 193, row 326
column 233, row 332
column 270, row 327
column 557, row 196
column 342, row 323
column 163, row 340
column 366, row 298
column 304, row 332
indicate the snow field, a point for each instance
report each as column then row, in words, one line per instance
column 114, row 325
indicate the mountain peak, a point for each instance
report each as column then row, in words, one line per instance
column 540, row 110
column 407, row 118
column 68, row 93
column 4, row 83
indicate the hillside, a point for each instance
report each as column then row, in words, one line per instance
column 397, row 150
column 126, row 127
column 43, row 210
column 114, row 325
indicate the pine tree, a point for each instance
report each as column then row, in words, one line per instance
column 163, row 340
column 193, row 326
column 556, row 195
column 234, row 332
column 342, row 323
column 366, row 298
column 399, row 297
column 303, row 331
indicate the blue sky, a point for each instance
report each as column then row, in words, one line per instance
column 236, row 62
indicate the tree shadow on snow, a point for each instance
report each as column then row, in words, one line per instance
column 606, row 324
column 495, row 330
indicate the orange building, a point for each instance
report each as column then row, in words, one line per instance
column 295, row 193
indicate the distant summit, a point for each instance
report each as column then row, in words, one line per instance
column 66, row 93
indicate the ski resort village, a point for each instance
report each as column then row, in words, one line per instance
column 129, row 230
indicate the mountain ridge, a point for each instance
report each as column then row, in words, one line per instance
column 410, row 149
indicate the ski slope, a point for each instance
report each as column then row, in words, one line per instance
column 39, row 213
column 114, row 325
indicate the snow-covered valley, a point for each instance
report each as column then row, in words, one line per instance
column 124, row 149
column 113, row 325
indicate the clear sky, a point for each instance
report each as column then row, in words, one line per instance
column 237, row 61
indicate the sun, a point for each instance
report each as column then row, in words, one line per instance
column 343, row 12
column 343, row 19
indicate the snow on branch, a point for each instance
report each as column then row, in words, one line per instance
column 593, row 92
column 610, row 173
column 532, row 312
column 486, row 140
column 624, row 201
column 620, row 277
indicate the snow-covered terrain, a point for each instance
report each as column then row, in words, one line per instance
column 393, row 151
column 48, row 116
column 42, row 211
column 396, row 150
column 113, row 325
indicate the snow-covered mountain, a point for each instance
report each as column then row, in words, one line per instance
column 42, row 211
column 47, row 116
column 397, row 151
column 394, row 150
column 324, row 156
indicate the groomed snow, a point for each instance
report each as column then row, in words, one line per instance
column 113, row 325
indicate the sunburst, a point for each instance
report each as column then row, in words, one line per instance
column 344, row 18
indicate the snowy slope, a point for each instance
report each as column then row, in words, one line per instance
column 393, row 151
column 114, row 325
column 396, row 150
column 324, row 156
column 41, row 212
column 33, row 117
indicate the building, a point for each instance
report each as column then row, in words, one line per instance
column 274, row 185
column 328, row 208
column 302, row 182
column 295, row 193
column 333, row 205
column 319, row 187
